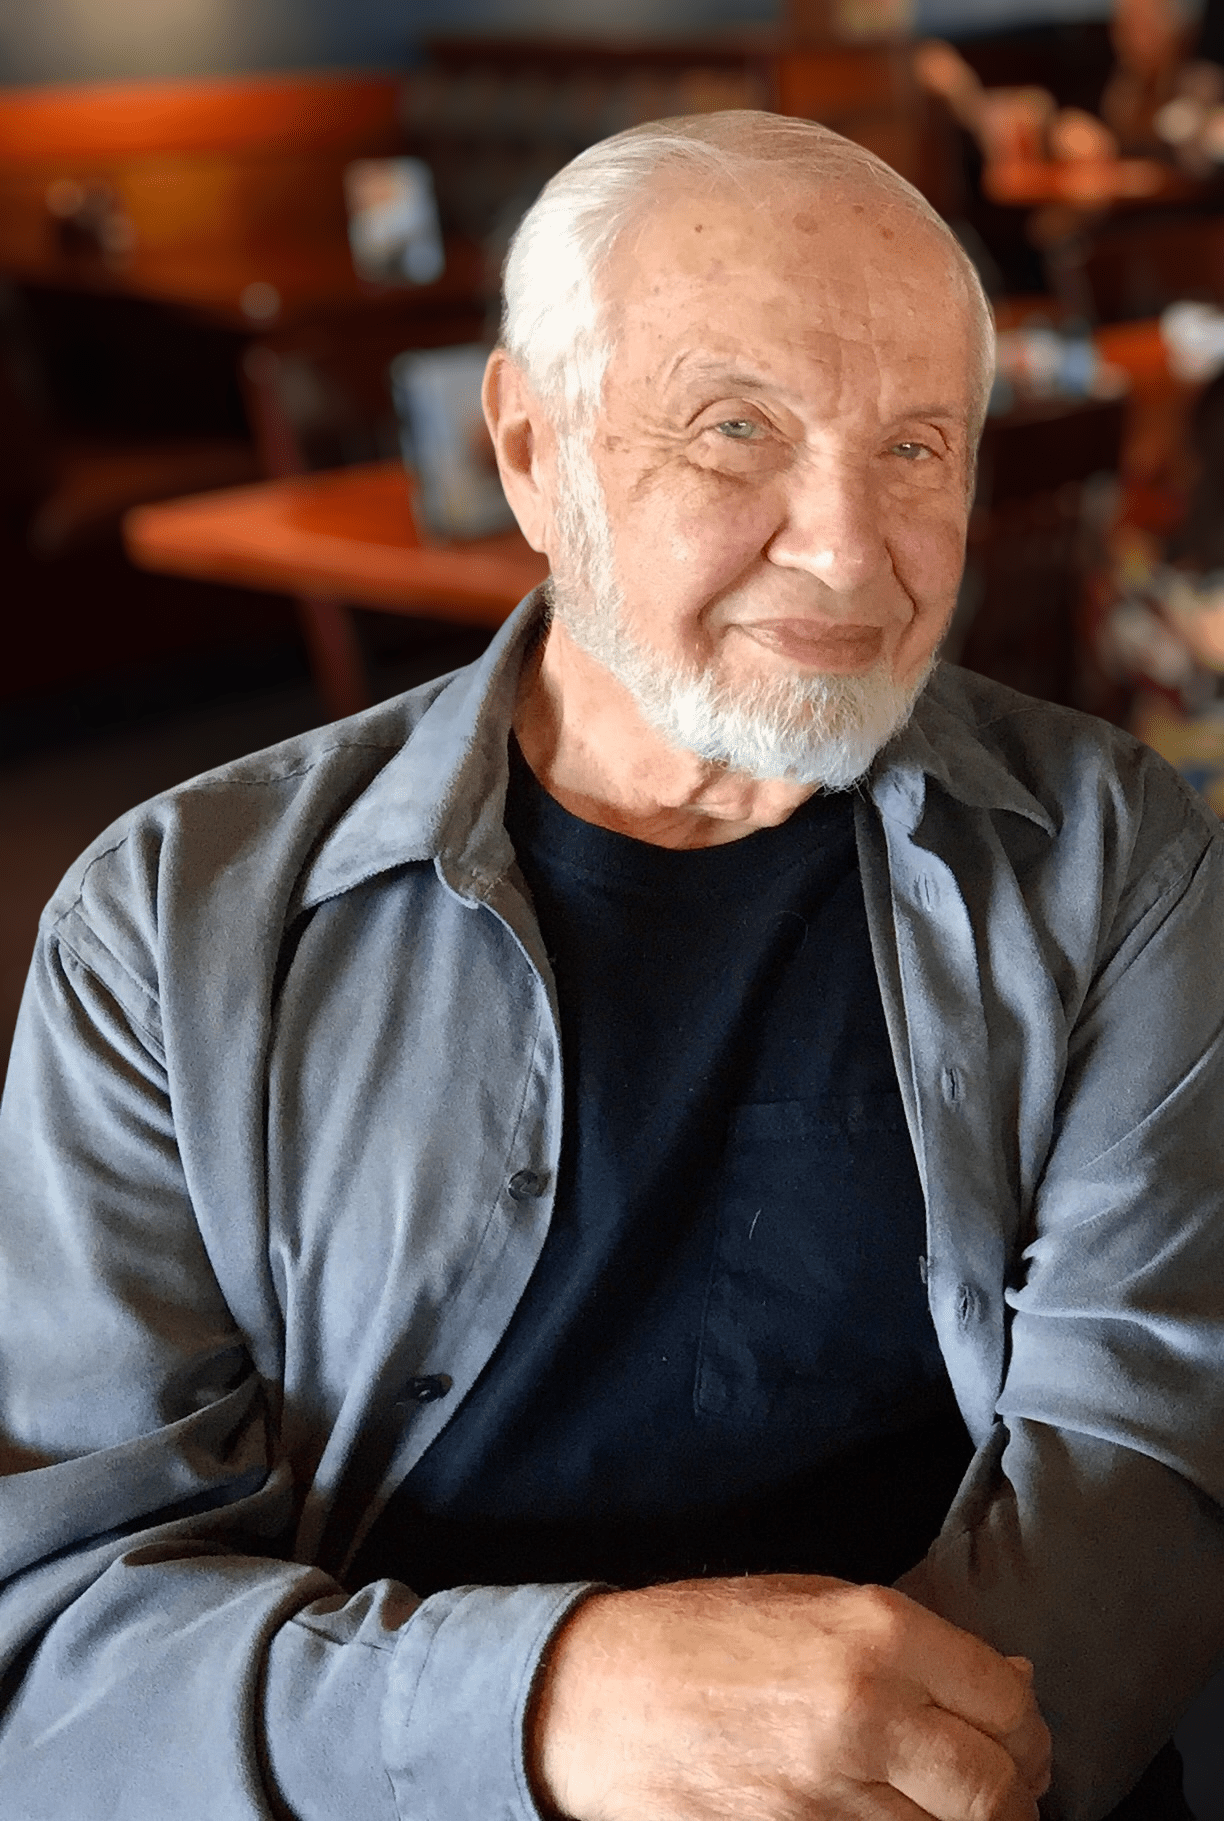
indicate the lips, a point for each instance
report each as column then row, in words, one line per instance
column 818, row 644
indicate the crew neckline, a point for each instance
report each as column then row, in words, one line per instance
column 588, row 849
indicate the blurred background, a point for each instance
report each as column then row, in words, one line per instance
column 249, row 253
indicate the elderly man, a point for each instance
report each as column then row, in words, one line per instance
column 521, row 1211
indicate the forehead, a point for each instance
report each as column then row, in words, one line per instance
column 802, row 281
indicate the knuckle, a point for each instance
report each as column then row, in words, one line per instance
column 858, row 1693
column 849, row 1697
column 884, row 1614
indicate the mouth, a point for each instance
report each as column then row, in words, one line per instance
column 841, row 650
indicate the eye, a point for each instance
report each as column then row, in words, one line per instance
column 739, row 429
column 911, row 452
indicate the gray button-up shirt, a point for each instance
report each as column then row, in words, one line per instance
column 289, row 1041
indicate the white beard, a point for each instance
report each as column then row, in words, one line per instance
column 817, row 730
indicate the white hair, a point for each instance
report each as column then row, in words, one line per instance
column 553, row 315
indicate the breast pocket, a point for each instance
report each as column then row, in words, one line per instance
column 815, row 1311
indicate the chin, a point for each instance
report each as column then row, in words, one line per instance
column 783, row 723
column 822, row 729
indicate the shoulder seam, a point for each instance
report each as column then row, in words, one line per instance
column 96, row 860
column 146, row 1028
column 211, row 782
column 203, row 785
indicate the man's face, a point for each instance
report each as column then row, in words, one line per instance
column 783, row 446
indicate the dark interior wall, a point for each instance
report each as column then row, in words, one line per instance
column 67, row 40
column 80, row 40
column 966, row 18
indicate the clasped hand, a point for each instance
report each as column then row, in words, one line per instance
column 781, row 1698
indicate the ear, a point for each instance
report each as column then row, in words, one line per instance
column 525, row 442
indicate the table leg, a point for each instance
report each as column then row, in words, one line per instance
column 335, row 655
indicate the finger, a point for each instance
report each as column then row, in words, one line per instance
column 871, row 1802
column 954, row 1772
column 1030, row 1744
column 879, row 1802
column 968, row 1678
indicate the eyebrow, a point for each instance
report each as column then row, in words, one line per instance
column 703, row 366
column 943, row 411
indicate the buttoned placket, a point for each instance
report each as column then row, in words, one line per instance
column 437, row 1386
column 943, row 1017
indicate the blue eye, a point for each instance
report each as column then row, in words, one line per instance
column 739, row 429
column 911, row 452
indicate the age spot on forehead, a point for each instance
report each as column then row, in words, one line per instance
column 887, row 234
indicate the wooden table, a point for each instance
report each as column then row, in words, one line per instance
column 1086, row 184
column 345, row 538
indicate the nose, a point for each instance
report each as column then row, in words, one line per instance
column 832, row 528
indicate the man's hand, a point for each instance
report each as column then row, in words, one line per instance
column 777, row 1697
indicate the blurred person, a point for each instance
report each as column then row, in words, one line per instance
column 635, row 1232
column 1169, row 81
column 1011, row 125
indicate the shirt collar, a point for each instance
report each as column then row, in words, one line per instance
column 949, row 743
column 441, row 795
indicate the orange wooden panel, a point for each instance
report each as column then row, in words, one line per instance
column 348, row 533
column 831, row 84
column 1155, row 452
column 121, row 119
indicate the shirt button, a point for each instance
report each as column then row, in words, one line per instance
column 525, row 1185
column 426, row 1390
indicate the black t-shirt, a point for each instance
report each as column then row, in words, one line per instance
column 724, row 1361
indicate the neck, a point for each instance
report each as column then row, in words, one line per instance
column 584, row 738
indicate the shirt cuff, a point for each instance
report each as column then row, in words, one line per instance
column 454, row 1739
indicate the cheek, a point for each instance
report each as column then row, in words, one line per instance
column 928, row 550
column 928, row 559
column 699, row 531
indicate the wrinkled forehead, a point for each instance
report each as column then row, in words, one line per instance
column 788, row 257
column 780, row 222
